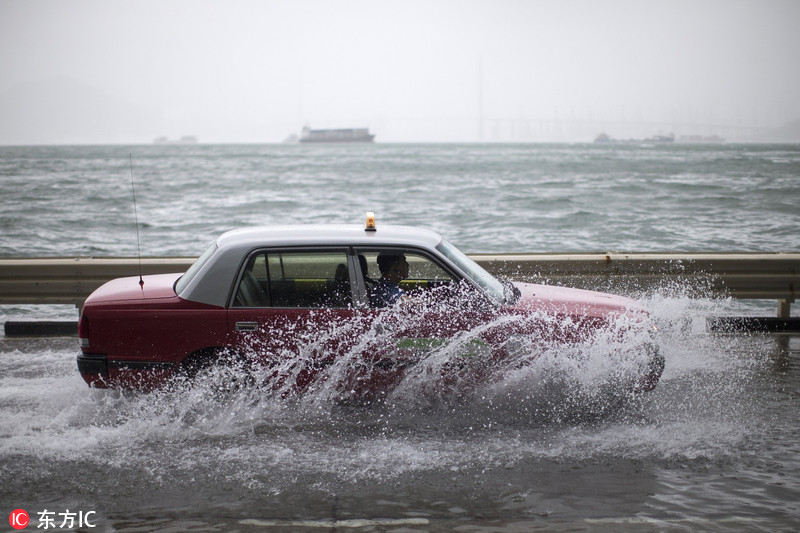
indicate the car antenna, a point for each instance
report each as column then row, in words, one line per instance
column 136, row 217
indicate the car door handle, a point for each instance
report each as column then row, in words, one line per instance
column 246, row 326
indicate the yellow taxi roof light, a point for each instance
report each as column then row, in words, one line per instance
column 369, row 223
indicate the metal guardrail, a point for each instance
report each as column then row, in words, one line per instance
column 762, row 276
column 70, row 280
column 755, row 276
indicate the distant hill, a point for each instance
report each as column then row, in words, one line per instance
column 66, row 111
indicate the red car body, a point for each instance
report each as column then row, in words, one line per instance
column 302, row 295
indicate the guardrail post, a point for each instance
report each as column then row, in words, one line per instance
column 784, row 308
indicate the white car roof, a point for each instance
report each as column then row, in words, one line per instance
column 327, row 234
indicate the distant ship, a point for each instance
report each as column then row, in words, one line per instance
column 698, row 139
column 606, row 138
column 345, row 135
column 186, row 139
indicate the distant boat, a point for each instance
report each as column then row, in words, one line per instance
column 661, row 139
column 699, row 139
column 606, row 138
column 186, row 139
column 344, row 135
column 291, row 139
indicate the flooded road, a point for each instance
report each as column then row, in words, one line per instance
column 713, row 448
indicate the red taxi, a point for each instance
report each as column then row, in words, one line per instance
column 283, row 295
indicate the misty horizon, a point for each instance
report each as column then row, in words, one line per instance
column 508, row 71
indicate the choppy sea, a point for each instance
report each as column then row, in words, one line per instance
column 716, row 447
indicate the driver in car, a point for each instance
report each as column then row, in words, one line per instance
column 394, row 269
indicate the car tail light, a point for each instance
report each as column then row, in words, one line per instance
column 83, row 331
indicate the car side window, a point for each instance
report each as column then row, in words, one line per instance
column 295, row 279
column 387, row 277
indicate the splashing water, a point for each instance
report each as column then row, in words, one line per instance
column 560, row 370
column 537, row 384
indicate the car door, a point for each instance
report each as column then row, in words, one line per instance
column 294, row 310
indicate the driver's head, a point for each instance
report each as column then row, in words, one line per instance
column 393, row 266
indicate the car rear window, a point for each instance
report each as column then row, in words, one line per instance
column 184, row 280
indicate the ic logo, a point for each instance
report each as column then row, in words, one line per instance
column 18, row 519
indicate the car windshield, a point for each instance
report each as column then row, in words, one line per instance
column 184, row 280
column 474, row 271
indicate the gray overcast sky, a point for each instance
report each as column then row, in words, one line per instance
column 256, row 71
